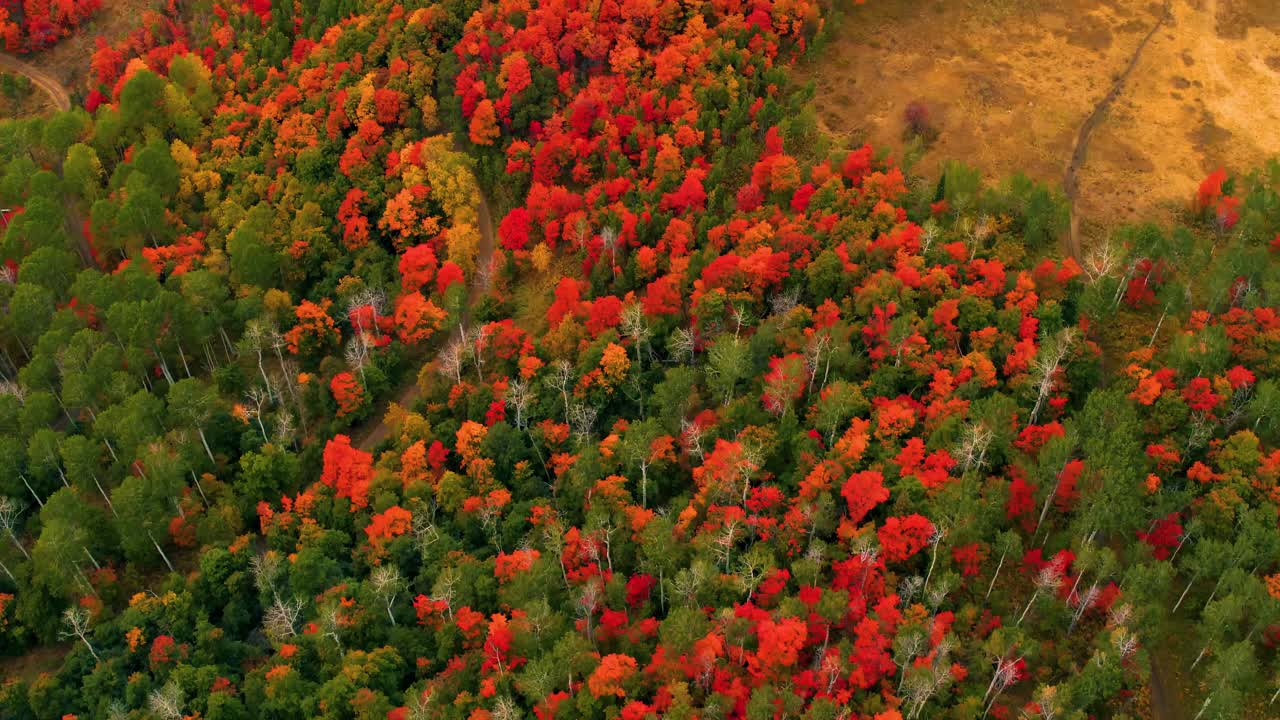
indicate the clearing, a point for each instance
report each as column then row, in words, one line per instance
column 1008, row 83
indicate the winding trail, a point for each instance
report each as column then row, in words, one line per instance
column 375, row 429
column 56, row 91
column 1164, row 703
column 1070, row 179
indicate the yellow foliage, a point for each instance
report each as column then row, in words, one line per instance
column 136, row 638
column 411, row 175
column 277, row 302
column 429, row 107
column 759, row 235
column 450, row 177
column 541, row 257
column 364, row 90
column 462, row 241
column 668, row 162
column 469, row 438
column 183, row 156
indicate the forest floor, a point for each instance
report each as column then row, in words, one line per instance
column 35, row 662
column 67, row 63
column 1009, row 83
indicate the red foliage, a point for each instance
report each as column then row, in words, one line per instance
column 507, row 565
column 430, row 612
column 449, row 274
column 347, row 392
column 347, row 470
column 355, row 226
column 1164, row 536
column 43, row 22
column 662, row 297
column 605, row 313
column 416, row 318
column 607, row 678
column 164, row 650
column 863, row 491
column 1065, row 498
column 1199, row 395
column 1034, row 437
column 969, row 558
column 1210, row 190
column 638, row 589
column 315, row 329
column 1021, row 497
column 182, row 532
column 513, row 231
column 418, row 265
column 177, row 258
column 689, row 196
column 780, row 643
column 784, row 382
column 568, row 302
column 902, row 537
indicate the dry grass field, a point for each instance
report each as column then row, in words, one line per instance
column 1009, row 82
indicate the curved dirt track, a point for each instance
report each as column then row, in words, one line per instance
column 1079, row 153
column 375, row 429
column 57, row 93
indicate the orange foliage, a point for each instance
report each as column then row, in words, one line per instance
column 607, row 678
column 347, row 392
column 392, row 522
column 315, row 330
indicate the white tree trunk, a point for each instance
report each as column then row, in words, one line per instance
column 205, row 443
column 161, row 551
column 995, row 575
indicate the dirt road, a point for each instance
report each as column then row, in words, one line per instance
column 58, row 94
column 1070, row 179
column 374, row 430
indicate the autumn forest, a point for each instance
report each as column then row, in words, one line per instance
column 550, row 359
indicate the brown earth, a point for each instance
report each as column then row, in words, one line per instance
column 1008, row 85
column 35, row 662
column 48, row 92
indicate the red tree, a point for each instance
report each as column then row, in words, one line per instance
column 347, row 392
column 347, row 470
column 863, row 491
column 902, row 537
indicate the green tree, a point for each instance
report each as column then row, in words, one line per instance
column 253, row 261
column 145, row 503
column 74, row 534
column 29, row 312
column 194, row 401
column 51, row 268
column 82, row 171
